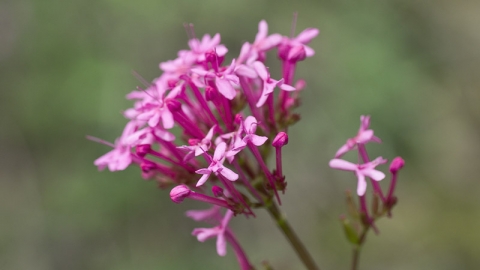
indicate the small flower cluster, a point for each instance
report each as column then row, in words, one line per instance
column 366, row 169
column 222, row 110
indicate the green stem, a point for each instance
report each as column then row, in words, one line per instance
column 358, row 247
column 292, row 237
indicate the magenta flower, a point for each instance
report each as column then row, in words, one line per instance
column 216, row 166
column 224, row 80
column 198, row 147
column 262, row 43
column 250, row 126
column 295, row 49
column 219, row 231
column 120, row 157
column 363, row 136
column 269, row 84
column 198, row 48
column 361, row 171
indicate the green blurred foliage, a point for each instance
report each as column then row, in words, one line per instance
column 65, row 67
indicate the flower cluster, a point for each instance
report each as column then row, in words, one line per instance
column 226, row 111
column 365, row 169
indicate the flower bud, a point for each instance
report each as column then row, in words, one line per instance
column 397, row 164
column 173, row 105
column 143, row 149
column 193, row 141
column 296, row 54
column 217, row 191
column 280, row 140
column 238, row 118
column 210, row 93
column 147, row 166
column 179, row 193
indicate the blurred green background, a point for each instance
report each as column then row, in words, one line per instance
column 65, row 67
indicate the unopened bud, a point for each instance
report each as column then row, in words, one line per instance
column 210, row 93
column 143, row 149
column 238, row 118
column 397, row 164
column 280, row 140
column 147, row 166
column 173, row 105
column 217, row 191
column 179, row 193
column 296, row 54
column 193, row 141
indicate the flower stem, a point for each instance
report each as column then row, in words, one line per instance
column 292, row 237
column 357, row 248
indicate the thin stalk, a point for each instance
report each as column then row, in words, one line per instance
column 292, row 237
column 357, row 248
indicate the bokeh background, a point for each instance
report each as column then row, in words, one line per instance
column 65, row 67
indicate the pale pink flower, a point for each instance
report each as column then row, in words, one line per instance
column 219, row 231
column 120, row 157
column 363, row 136
column 198, row 48
column 249, row 127
column 216, row 166
column 224, row 80
column 269, row 84
column 361, row 171
column 198, row 147
column 295, row 49
column 263, row 42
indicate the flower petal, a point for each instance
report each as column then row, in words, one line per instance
column 220, row 151
column 258, row 140
column 341, row 164
column 203, row 179
column 361, row 185
column 261, row 70
column 225, row 88
column 229, row 174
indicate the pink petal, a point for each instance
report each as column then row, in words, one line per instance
column 221, row 245
column 270, row 42
column 309, row 52
column 201, row 72
column 262, row 100
column 210, row 133
column 250, row 124
column 261, row 70
column 361, row 185
column 287, row 87
column 220, row 151
column 153, row 121
column 374, row 174
column 344, row 149
column 245, row 71
column 229, row 174
column 364, row 136
column 203, row 171
column 167, row 119
column 262, row 31
column 307, row 35
column 204, row 234
column 258, row 140
column 202, row 180
column 230, row 69
column 225, row 88
column 221, row 50
column 244, row 52
column 341, row 164
column 199, row 215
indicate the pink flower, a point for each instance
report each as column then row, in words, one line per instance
column 363, row 136
column 269, row 84
column 216, row 166
column 262, row 43
column 361, row 171
column 153, row 109
column 120, row 157
column 219, row 231
column 200, row 47
column 198, row 147
column 250, row 126
column 295, row 49
column 224, row 80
